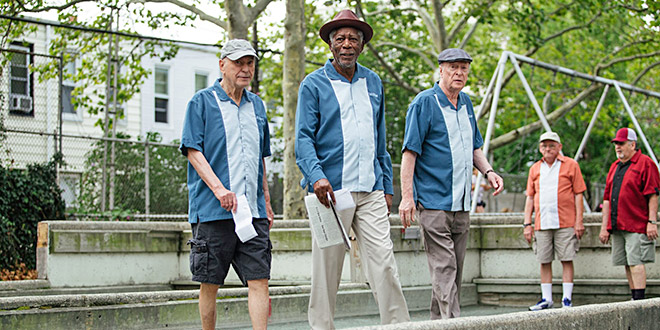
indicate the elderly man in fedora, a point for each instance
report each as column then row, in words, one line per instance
column 225, row 137
column 340, row 144
column 441, row 145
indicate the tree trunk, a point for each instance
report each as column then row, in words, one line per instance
column 238, row 21
column 294, row 72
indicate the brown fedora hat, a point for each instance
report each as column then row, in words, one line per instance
column 346, row 18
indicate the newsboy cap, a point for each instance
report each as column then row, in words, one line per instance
column 454, row 55
column 237, row 48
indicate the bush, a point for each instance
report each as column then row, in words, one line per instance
column 27, row 196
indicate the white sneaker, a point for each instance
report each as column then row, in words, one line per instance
column 542, row 304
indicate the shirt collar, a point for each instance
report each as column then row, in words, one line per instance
column 442, row 97
column 332, row 73
column 223, row 97
column 558, row 158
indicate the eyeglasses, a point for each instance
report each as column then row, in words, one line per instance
column 619, row 143
column 549, row 146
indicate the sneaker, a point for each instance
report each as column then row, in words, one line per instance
column 566, row 303
column 542, row 304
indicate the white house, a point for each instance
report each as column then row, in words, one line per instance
column 31, row 113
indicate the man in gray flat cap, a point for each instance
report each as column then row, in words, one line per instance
column 226, row 138
column 441, row 145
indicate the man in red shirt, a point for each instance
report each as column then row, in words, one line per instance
column 554, row 192
column 630, row 209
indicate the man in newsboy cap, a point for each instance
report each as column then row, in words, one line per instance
column 441, row 145
column 226, row 138
column 340, row 144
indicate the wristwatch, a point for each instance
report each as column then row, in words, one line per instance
column 653, row 222
column 526, row 224
column 486, row 173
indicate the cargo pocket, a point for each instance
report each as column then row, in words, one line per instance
column 647, row 249
column 199, row 257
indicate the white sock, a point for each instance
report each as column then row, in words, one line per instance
column 568, row 290
column 546, row 291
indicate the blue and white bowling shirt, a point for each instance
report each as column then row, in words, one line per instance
column 234, row 139
column 340, row 131
column 444, row 138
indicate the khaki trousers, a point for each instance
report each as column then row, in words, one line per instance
column 371, row 226
column 445, row 241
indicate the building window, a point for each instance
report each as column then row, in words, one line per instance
column 69, row 70
column 20, row 82
column 161, row 99
column 201, row 81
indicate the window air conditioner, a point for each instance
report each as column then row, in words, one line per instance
column 20, row 103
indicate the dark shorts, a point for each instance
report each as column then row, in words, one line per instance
column 216, row 246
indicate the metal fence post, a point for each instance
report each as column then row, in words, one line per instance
column 146, row 178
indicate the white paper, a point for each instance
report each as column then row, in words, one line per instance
column 325, row 224
column 343, row 200
column 243, row 220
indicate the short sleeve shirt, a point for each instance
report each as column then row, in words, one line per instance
column 444, row 138
column 234, row 139
column 340, row 131
column 629, row 211
column 553, row 188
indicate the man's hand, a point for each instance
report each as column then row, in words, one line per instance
column 388, row 201
column 604, row 236
column 270, row 214
column 651, row 231
column 227, row 199
column 407, row 212
column 321, row 189
column 496, row 182
column 529, row 233
column 579, row 229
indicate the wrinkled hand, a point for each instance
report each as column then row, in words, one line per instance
column 388, row 201
column 496, row 182
column 604, row 236
column 321, row 189
column 407, row 212
column 270, row 214
column 529, row 233
column 579, row 229
column 227, row 199
column 651, row 231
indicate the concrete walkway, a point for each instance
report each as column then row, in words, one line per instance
column 374, row 320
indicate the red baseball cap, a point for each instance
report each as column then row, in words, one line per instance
column 625, row 134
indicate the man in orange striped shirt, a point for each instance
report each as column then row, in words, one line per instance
column 554, row 192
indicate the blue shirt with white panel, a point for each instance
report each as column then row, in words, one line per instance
column 340, row 131
column 234, row 139
column 444, row 138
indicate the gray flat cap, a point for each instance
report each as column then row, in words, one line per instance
column 237, row 48
column 454, row 55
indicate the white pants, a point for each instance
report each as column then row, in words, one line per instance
column 371, row 226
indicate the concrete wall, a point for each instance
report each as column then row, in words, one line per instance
column 72, row 253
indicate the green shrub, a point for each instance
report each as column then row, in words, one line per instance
column 27, row 196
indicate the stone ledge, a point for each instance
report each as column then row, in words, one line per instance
column 640, row 314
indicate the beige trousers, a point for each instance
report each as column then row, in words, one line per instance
column 371, row 226
column 445, row 241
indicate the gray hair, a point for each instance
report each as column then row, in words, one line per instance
column 333, row 32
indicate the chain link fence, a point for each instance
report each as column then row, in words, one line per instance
column 101, row 178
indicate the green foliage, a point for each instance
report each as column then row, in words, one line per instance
column 167, row 179
column 26, row 197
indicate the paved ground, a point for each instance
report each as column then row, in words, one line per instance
column 352, row 322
